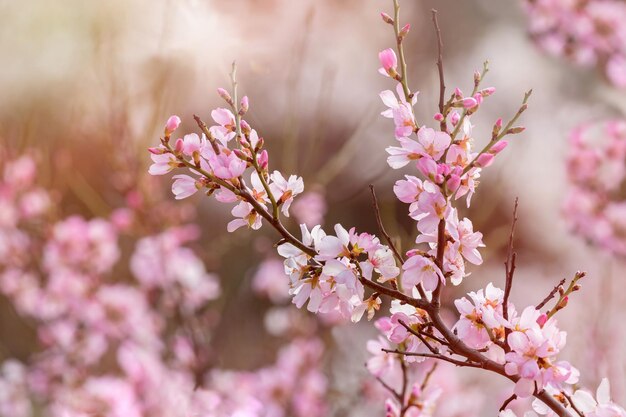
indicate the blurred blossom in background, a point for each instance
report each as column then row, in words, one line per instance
column 91, row 320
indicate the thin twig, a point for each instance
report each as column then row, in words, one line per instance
column 551, row 295
column 438, row 356
column 442, row 83
column 428, row 375
column 388, row 388
column 507, row 402
column 571, row 403
column 381, row 227
column 509, row 265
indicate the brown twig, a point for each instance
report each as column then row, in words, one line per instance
column 509, row 265
column 442, row 83
column 507, row 402
column 551, row 295
column 381, row 227
column 435, row 356
column 571, row 403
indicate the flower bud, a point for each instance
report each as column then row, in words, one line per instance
column 388, row 60
column 244, row 106
column 240, row 155
column 224, row 94
column 458, row 93
column 438, row 117
column 171, row 125
column 469, row 102
column 178, row 147
column 515, row 130
column 245, row 127
column 157, row 150
column 477, row 77
column 498, row 147
column 484, row 160
column 454, row 118
column 404, row 31
column 486, row 92
column 542, row 319
column 263, row 159
column 386, row 18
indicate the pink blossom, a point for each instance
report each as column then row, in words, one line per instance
column 162, row 164
column 227, row 165
column 389, row 62
column 420, row 269
column 285, row 190
column 433, row 143
column 185, row 186
column 171, row 125
column 245, row 216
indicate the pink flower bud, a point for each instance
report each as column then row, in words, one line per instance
column 499, row 123
column 156, row 150
column 454, row 182
column 245, row 105
column 263, row 159
column 172, row 124
column 386, row 18
column 498, row 147
column 245, row 127
column 454, row 118
column 458, row 93
column 438, row 117
column 469, row 102
column 180, row 144
column 542, row 319
column 224, row 94
column 485, row 159
column 405, row 30
column 487, row 91
column 478, row 98
column 388, row 59
column 240, row 155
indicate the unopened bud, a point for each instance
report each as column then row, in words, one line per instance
column 576, row 287
column 454, row 118
column 386, row 18
column 404, row 31
column 240, row 155
column 487, row 91
column 469, row 102
column 178, row 147
column 515, row 130
column 477, row 77
column 458, row 93
column 245, row 127
column 171, row 125
column 484, row 160
column 438, row 117
column 563, row 303
column 263, row 159
column 542, row 319
column 157, row 150
column 498, row 147
column 260, row 144
column 224, row 94
column 244, row 106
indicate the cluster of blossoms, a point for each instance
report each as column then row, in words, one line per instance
column 126, row 340
column 582, row 403
column 347, row 272
column 594, row 207
column 589, row 33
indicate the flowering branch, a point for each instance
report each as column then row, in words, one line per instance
column 331, row 272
